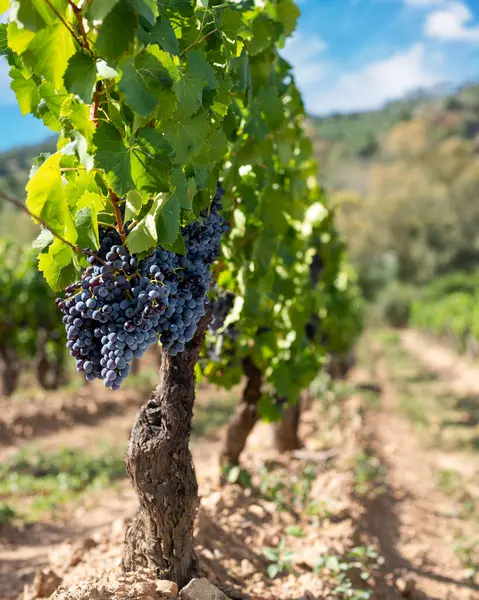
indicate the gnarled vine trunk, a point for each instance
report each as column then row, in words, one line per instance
column 50, row 374
column 161, row 470
column 10, row 369
column 286, row 436
column 243, row 421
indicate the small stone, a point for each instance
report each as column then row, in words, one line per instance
column 202, row 589
column 167, row 588
column 247, row 567
column 45, row 583
column 405, row 586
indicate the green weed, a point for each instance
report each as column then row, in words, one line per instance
column 281, row 559
column 369, row 474
column 42, row 481
column 288, row 491
column 361, row 561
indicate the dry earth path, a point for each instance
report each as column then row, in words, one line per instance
column 412, row 520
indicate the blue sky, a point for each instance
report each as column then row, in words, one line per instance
column 348, row 55
column 358, row 54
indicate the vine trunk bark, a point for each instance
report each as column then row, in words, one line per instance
column 10, row 369
column 160, row 467
column 50, row 374
column 286, row 436
column 243, row 421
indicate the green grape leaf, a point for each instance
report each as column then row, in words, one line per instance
column 268, row 411
column 91, row 200
column 80, row 76
column 117, row 31
column 150, row 161
column 143, row 237
column 78, row 114
column 32, row 14
column 288, row 14
column 46, row 200
column 49, row 52
column 191, row 83
column 263, row 33
column 99, row 9
column 168, row 219
column 181, row 191
column 3, row 39
column 230, row 23
column 18, row 38
column 271, row 107
column 113, row 155
column 257, row 126
column 186, row 137
column 222, row 99
column 50, row 106
column 218, row 146
column 133, row 204
column 177, row 246
column 43, row 240
column 198, row 64
column 86, row 223
column 57, row 265
column 148, row 9
column 143, row 78
column 26, row 90
column 162, row 33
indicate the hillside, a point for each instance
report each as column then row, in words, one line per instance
column 346, row 140
column 14, row 171
column 405, row 180
column 15, row 166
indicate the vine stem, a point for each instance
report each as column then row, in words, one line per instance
column 67, row 25
column 119, row 221
column 79, row 18
column 43, row 223
column 199, row 40
column 95, row 104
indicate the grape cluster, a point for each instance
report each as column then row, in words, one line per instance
column 187, row 302
column 315, row 269
column 220, row 308
column 311, row 328
column 121, row 305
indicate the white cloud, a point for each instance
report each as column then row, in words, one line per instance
column 452, row 23
column 304, row 53
column 374, row 84
column 6, row 94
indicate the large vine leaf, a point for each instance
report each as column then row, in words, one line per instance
column 162, row 33
column 191, row 83
column 46, row 199
column 80, row 76
column 143, row 79
column 49, row 52
column 57, row 265
column 26, row 90
column 186, row 137
column 117, row 31
column 113, row 155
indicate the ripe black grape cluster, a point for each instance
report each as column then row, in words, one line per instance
column 311, row 328
column 315, row 269
column 220, row 308
column 121, row 305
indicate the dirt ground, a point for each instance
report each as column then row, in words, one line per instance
column 374, row 486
